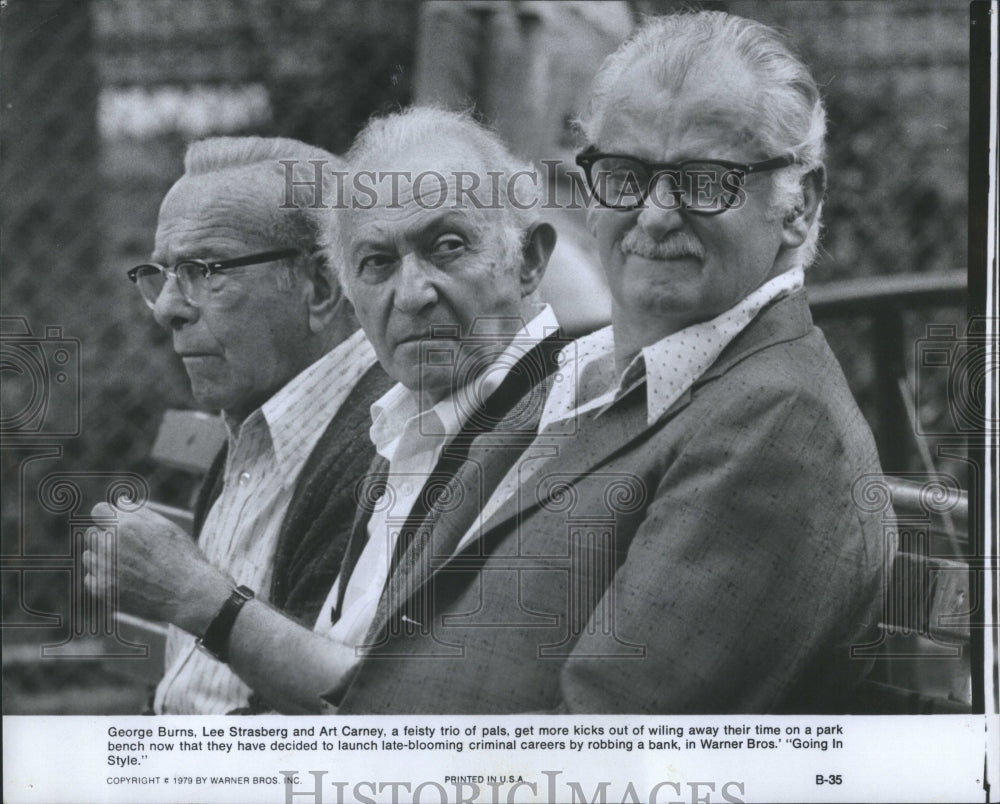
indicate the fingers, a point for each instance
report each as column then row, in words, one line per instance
column 103, row 511
column 97, row 561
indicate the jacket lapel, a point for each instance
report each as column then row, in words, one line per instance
column 600, row 436
column 480, row 462
column 307, row 546
column 603, row 434
column 614, row 430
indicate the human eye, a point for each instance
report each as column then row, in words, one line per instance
column 624, row 180
column 707, row 185
column 447, row 247
column 376, row 268
column 194, row 278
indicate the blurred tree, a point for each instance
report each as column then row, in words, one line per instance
column 48, row 206
column 330, row 66
column 894, row 205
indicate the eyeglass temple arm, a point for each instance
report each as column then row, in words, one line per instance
column 253, row 259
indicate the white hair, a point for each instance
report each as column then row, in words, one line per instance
column 388, row 138
column 294, row 223
column 789, row 117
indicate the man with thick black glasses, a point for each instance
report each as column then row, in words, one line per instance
column 267, row 337
column 682, row 535
column 742, row 571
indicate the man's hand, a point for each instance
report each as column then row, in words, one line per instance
column 152, row 569
column 156, row 571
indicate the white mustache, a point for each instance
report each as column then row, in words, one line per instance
column 677, row 245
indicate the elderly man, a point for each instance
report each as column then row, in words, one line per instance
column 681, row 538
column 444, row 284
column 266, row 336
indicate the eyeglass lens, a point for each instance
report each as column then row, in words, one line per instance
column 190, row 281
column 698, row 186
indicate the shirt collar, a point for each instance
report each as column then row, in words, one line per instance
column 673, row 364
column 295, row 416
column 398, row 406
column 668, row 367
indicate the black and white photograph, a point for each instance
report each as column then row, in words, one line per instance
column 499, row 401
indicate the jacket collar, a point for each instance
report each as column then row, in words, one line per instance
column 620, row 425
column 624, row 421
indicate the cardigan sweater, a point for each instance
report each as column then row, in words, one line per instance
column 318, row 521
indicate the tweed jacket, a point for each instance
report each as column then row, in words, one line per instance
column 503, row 425
column 712, row 562
column 316, row 526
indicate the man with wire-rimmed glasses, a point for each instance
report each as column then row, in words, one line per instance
column 267, row 337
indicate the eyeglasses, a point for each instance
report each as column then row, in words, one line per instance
column 192, row 275
column 701, row 186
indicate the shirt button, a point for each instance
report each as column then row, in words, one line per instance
column 244, row 478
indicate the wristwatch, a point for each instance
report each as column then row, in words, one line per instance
column 215, row 640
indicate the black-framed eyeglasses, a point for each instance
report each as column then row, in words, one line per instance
column 192, row 275
column 701, row 186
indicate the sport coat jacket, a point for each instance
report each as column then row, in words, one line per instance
column 500, row 427
column 711, row 562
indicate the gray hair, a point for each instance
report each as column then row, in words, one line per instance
column 294, row 223
column 790, row 118
column 394, row 135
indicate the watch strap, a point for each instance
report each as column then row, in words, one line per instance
column 215, row 640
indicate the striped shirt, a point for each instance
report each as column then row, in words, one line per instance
column 266, row 453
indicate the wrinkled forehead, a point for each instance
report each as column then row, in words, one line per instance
column 706, row 107
column 418, row 217
column 405, row 192
column 213, row 213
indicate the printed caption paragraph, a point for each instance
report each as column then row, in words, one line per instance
column 509, row 759
column 131, row 746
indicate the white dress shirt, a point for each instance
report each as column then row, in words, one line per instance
column 411, row 441
column 240, row 534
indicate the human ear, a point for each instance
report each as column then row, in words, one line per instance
column 799, row 220
column 538, row 246
column 323, row 293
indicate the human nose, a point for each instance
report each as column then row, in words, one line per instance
column 415, row 290
column 171, row 310
column 660, row 215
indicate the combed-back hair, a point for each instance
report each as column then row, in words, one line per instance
column 400, row 132
column 218, row 153
column 789, row 117
column 258, row 161
column 385, row 140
